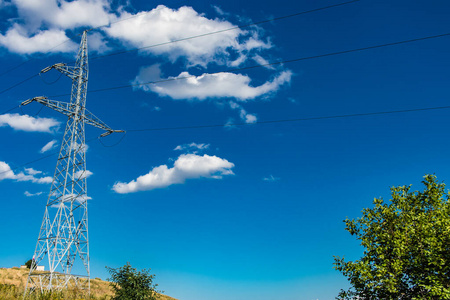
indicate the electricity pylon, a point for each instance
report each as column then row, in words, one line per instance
column 63, row 237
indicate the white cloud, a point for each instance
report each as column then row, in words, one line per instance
column 163, row 24
column 271, row 178
column 250, row 118
column 82, row 174
column 18, row 40
column 187, row 166
column 28, row 123
column 74, row 197
column 44, row 24
column 192, row 147
column 97, row 42
column 29, row 175
column 46, row 21
column 82, row 198
column 46, row 179
column 79, row 147
column 49, row 146
column 59, row 205
column 246, row 117
column 219, row 85
column 5, row 171
column 32, row 171
column 263, row 62
column 64, row 14
column 219, row 10
column 28, row 194
column 72, row 14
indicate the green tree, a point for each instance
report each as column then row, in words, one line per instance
column 28, row 263
column 130, row 284
column 407, row 246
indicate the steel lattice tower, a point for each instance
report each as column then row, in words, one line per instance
column 63, row 244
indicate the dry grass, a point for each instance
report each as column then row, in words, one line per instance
column 13, row 280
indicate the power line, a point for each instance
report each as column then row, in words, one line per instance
column 294, row 120
column 170, row 42
column 38, row 55
column 126, row 19
column 225, row 30
column 36, row 160
column 269, row 64
column 175, row 41
column 11, row 109
column 70, row 39
column 19, row 83
column 256, row 123
column 258, row 66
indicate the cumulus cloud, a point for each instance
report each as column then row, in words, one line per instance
column 5, row 171
column 18, row 40
column 263, row 62
column 80, row 147
column 219, row 85
column 192, row 147
column 49, row 146
column 246, row 117
column 28, row 194
column 187, row 166
column 46, row 21
column 29, row 175
column 64, row 14
column 163, row 25
column 59, row 205
column 45, row 24
column 28, row 123
column 271, row 178
column 82, row 174
column 220, row 11
column 32, row 171
column 70, row 197
column 97, row 42
column 74, row 197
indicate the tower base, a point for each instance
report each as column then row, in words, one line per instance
column 50, row 282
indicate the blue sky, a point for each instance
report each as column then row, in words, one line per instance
column 247, row 212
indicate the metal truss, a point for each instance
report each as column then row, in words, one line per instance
column 63, row 243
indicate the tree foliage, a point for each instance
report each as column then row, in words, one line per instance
column 407, row 246
column 131, row 284
column 28, row 263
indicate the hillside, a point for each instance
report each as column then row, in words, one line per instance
column 13, row 280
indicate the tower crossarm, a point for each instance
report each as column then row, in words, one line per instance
column 69, row 71
column 59, row 106
column 69, row 110
column 92, row 120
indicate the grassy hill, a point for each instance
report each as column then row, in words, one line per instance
column 13, row 280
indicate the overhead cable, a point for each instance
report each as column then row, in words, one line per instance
column 268, row 64
column 175, row 41
column 11, row 109
column 19, row 83
column 293, row 120
column 256, row 123
column 224, row 30
column 33, row 58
